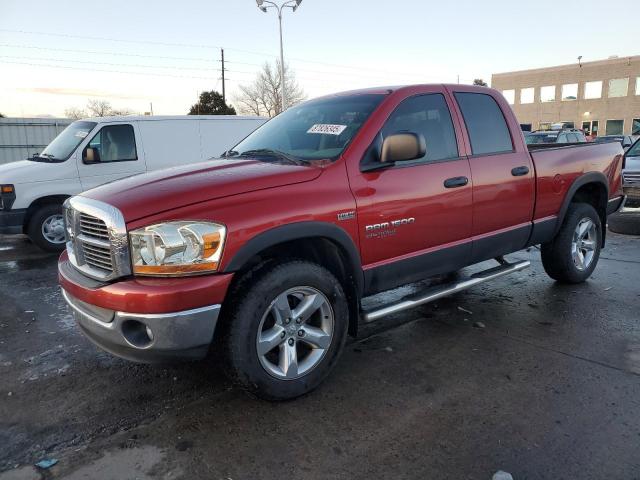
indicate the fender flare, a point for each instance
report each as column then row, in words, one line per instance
column 300, row 231
column 590, row 177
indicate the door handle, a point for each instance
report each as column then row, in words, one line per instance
column 455, row 182
column 519, row 171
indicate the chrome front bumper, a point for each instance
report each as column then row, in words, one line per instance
column 148, row 338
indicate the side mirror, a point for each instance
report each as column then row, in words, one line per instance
column 90, row 155
column 402, row 147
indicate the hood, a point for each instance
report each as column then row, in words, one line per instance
column 27, row 171
column 155, row 192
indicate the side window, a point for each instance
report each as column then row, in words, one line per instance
column 427, row 115
column 485, row 123
column 563, row 138
column 114, row 143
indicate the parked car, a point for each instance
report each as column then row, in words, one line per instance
column 556, row 136
column 94, row 151
column 271, row 249
column 631, row 176
column 625, row 140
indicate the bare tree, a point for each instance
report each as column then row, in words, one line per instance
column 264, row 95
column 75, row 113
column 479, row 82
column 99, row 108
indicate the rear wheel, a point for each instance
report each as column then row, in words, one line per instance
column 286, row 329
column 573, row 254
column 46, row 228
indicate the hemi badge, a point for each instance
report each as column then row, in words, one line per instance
column 346, row 215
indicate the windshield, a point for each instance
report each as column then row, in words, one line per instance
column 319, row 129
column 64, row 144
column 634, row 151
column 534, row 138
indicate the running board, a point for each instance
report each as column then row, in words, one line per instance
column 440, row 291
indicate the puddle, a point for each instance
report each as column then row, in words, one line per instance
column 126, row 463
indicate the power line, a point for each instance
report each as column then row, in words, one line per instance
column 251, row 52
column 66, row 67
column 102, row 52
column 108, row 63
column 85, row 37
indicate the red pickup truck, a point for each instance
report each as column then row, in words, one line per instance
column 267, row 252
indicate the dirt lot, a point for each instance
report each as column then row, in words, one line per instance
column 539, row 380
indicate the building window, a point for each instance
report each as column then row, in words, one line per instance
column 527, row 95
column 548, row 94
column 637, row 85
column 590, row 128
column 614, row 127
column 618, row 87
column 635, row 127
column 510, row 96
column 570, row 91
column 593, row 90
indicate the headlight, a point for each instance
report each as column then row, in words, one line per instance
column 177, row 248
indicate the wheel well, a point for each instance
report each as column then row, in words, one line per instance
column 322, row 251
column 37, row 204
column 595, row 194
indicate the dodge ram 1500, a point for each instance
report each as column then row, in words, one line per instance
column 267, row 252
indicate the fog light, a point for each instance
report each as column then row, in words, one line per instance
column 137, row 334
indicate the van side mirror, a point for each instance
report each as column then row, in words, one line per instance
column 402, row 147
column 90, row 155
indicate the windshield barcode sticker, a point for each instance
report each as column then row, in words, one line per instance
column 327, row 129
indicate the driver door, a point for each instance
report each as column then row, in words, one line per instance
column 415, row 216
column 113, row 152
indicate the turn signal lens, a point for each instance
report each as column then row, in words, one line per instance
column 7, row 188
column 177, row 248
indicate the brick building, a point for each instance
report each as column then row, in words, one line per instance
column 601, row 97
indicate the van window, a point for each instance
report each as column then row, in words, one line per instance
column 485, row 123
column 114, row 143
column 61, row 148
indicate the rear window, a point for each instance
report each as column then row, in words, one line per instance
column 485, row 123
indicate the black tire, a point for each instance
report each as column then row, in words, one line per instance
column 557, row 257
column 625, row 223
column 34, row 229
column 249, row 302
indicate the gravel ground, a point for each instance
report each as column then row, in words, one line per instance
column 539, row 380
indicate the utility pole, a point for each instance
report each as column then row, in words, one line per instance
column 224, row 96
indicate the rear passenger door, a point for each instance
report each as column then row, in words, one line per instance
column 503, row 177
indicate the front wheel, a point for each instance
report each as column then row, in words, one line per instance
column 285, row 330
column 46, row 228
column 573, row 254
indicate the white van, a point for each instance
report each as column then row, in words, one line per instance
column 94, row 151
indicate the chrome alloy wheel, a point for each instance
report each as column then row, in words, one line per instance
column 584, row 243
column 53, row 229
column 295, row 333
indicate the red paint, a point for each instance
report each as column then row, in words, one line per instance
column 252, row 197
column 152, row 295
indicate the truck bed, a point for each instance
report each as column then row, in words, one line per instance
column 558, row 166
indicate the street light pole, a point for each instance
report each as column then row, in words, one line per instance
column 264, row 5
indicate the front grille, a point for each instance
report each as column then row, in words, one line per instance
column 631, row 179
column 93, row 227
column 96, row 239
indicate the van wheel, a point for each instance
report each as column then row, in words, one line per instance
column 286, row 329
column 573, row 254
column 46, row 228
